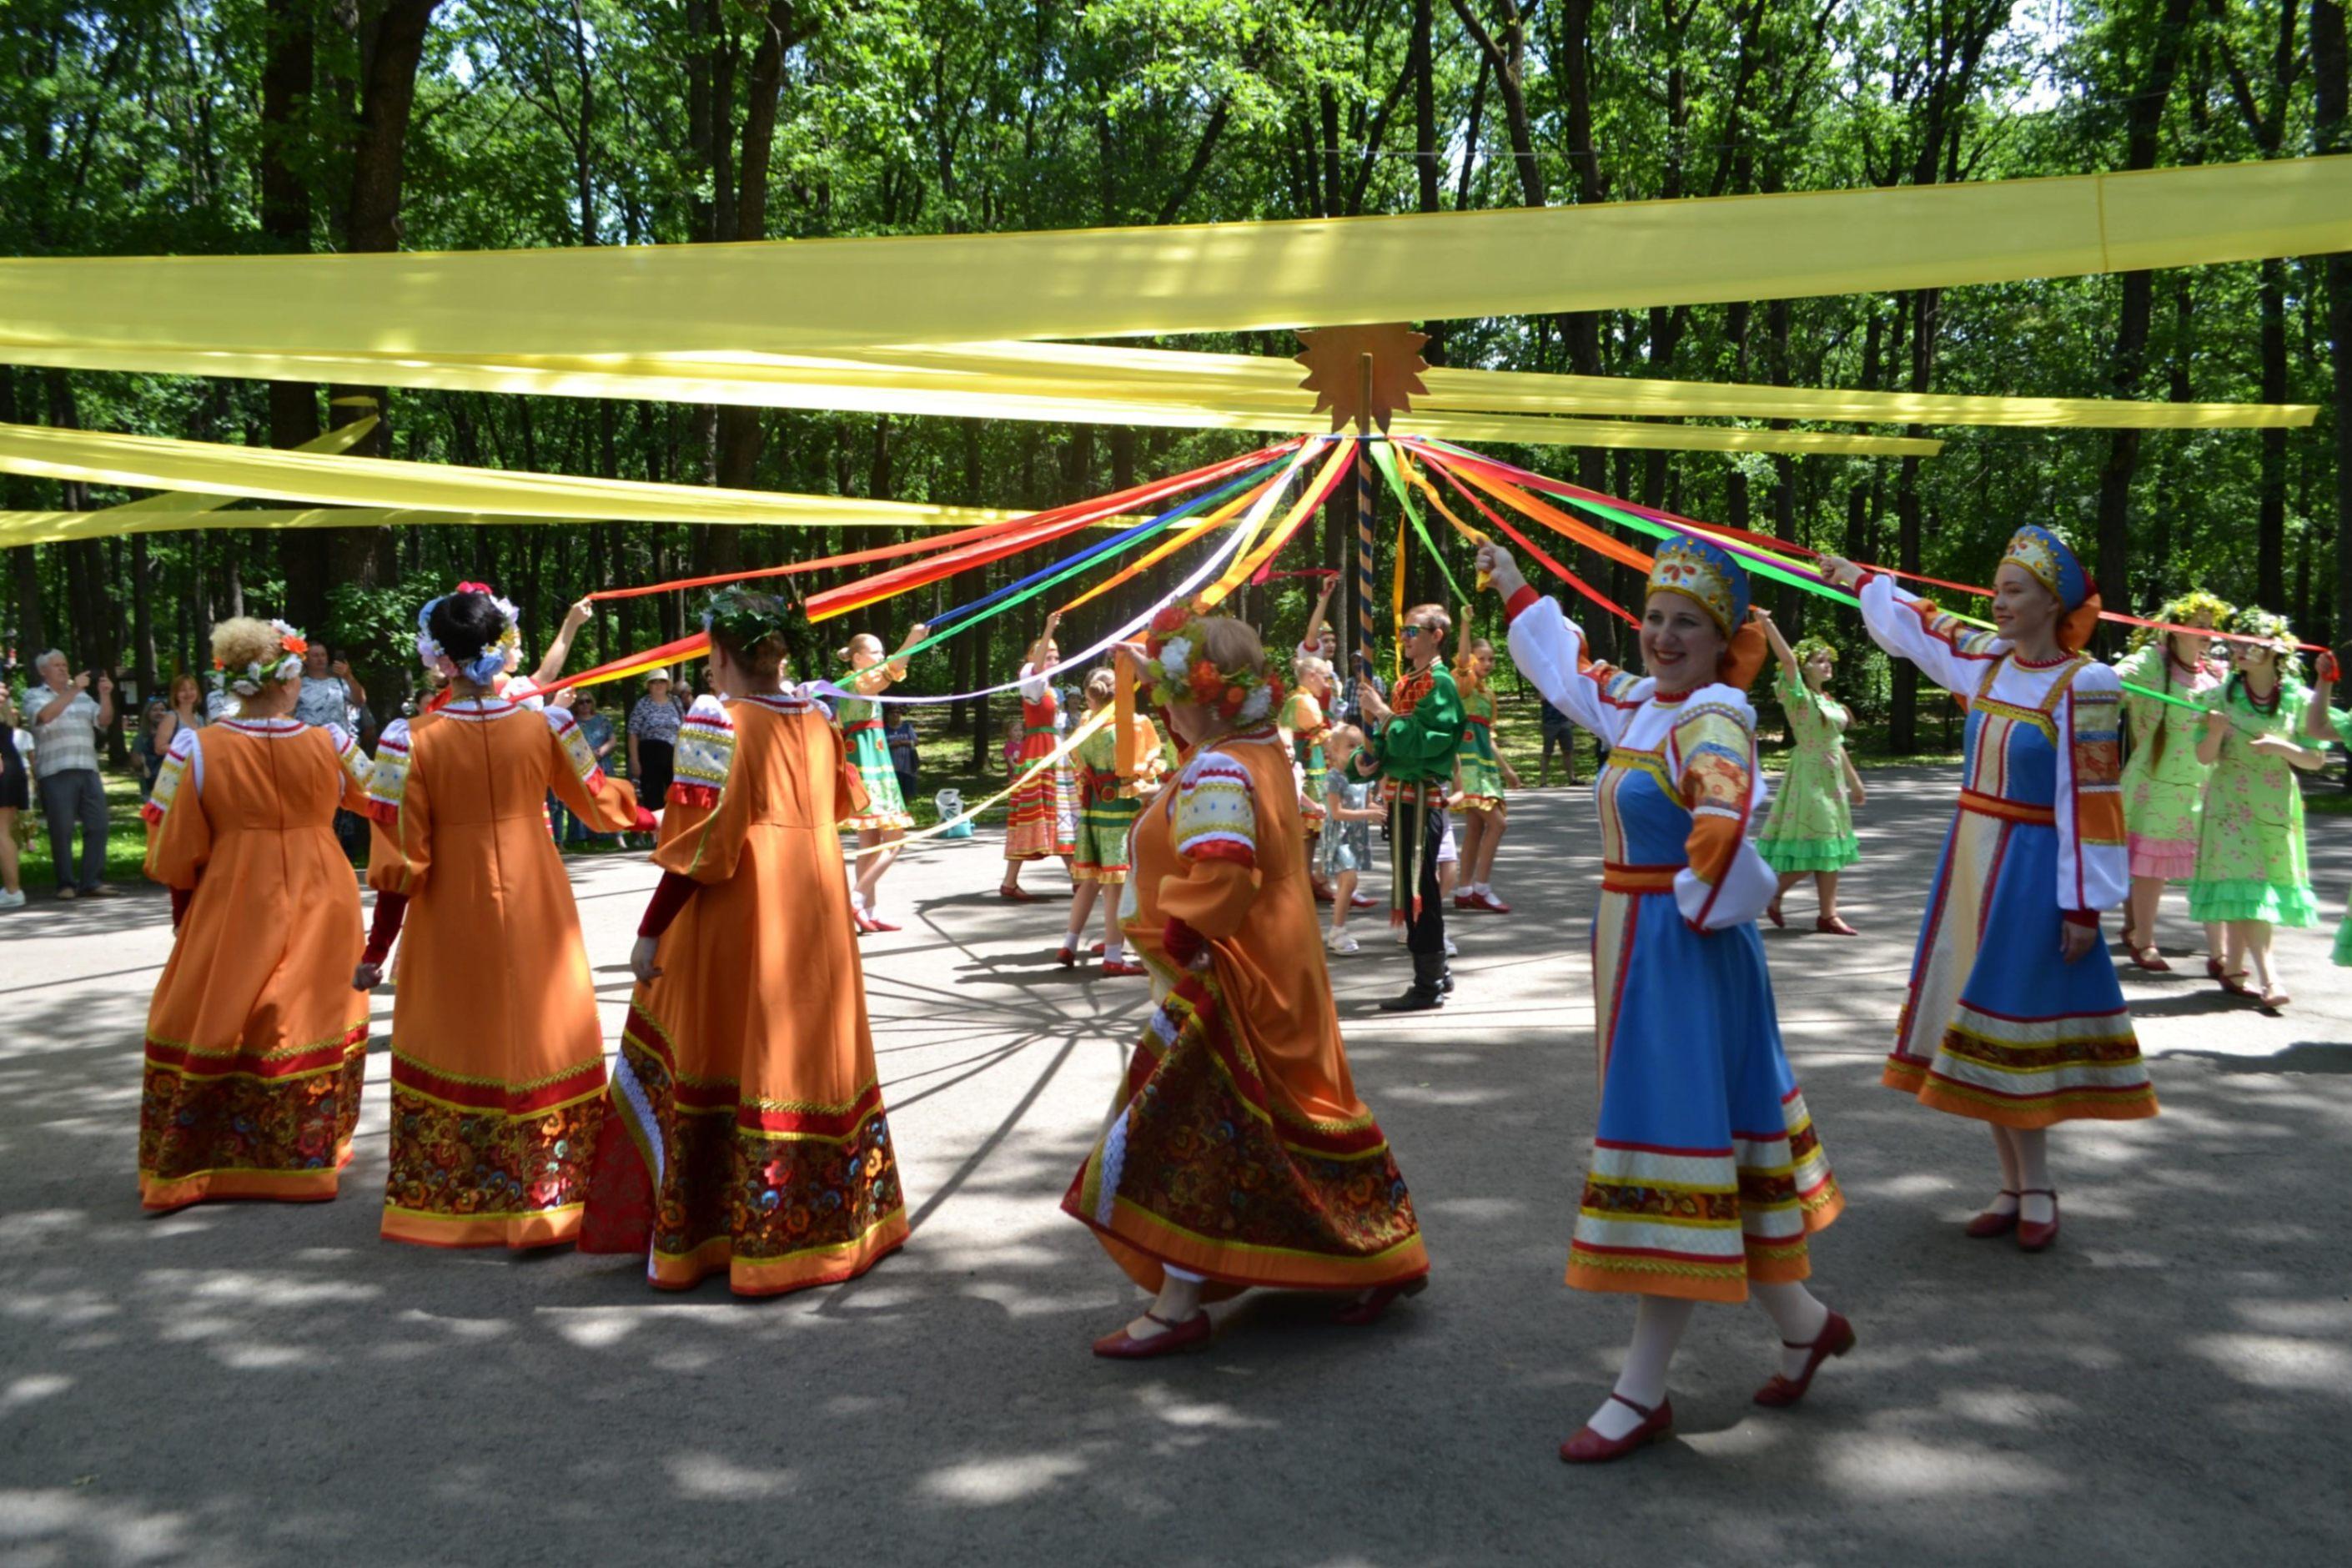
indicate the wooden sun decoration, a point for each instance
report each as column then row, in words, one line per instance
column 1334, row 359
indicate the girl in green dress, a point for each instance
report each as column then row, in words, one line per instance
column 886, row 819
column 2253, row 873
column 2322, row 721
column 1481, row 775
column 1809, row 831
column 2164, row 783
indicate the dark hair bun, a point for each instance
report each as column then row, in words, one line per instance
column 465, row 623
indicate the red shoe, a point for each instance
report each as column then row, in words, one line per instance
column 1066, row 956
column 1990, row 1223
column 2235, row 983
column 861, row 920
column 1492, row 905
column 2033, row 1236
column 1590, row 1448
column 1095, row 950
column 1830, row 925
column 1016, row 895
column 1119, row 967
column 1361, row 901
column 1465, row 901
column 1357, row 1314
column 1836, row 1338
column 873, row 924
column 2213, row 969
column 1772, row 914
column 1194, row 1330
column 2150, row 959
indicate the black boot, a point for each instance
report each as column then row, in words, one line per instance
column 1428, row 991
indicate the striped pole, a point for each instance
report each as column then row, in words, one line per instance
column 1364, row 587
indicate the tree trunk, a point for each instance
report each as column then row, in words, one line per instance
column 2331, row 88
column 2144, row 118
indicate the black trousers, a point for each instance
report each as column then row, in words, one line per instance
column 1425, row 931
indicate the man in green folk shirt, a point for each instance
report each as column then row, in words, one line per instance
column 1411, row 738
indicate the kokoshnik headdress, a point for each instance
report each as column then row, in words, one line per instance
column 492, row 662
column 2050, row 561
column 1706, row 574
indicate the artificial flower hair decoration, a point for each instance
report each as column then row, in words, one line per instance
column 248, row 681
column 1808, row 646
column 741, row 618
column 1179, row 674
column 2268, row 629
column 492, row 661
column 2180, row 611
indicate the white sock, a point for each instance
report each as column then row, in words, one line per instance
column 856, row 898
column 1070, row 938
column 1798, row 1316
column 1114, row 949
column 1658, row 1328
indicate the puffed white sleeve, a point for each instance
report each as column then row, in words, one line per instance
column 1950, row 652
column 1549, row 650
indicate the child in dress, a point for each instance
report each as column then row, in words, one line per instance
column 1349, row 812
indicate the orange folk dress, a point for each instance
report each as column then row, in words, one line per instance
column 256, row 1043
column 746, row 1133
column 1239, row 1151
column 498, row 1059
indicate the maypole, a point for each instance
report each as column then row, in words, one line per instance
column 1363, row 375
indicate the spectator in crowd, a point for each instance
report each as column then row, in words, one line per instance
column 1557, row 733
column 15, row 795
column 597, row 731
column 183, row 709
column 330, row 692
column 653, row 741
column 65, row 721
column 903, row 755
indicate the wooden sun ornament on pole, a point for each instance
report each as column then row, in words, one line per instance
column 1363, row 375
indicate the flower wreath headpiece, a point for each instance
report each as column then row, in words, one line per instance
column 1179, row 674
column 2267, row 628
column 493, row 659
column 2179, row 611
column 248, row 681
column 745, row 619
column 1808, row 646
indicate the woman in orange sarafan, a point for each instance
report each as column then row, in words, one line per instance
column 1239, row 1153
column 498, row 1059
column 256, row 1043
column 747, row 1134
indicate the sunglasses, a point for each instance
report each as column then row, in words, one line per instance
column 1418, row 632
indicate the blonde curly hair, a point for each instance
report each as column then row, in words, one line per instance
column 241, row 642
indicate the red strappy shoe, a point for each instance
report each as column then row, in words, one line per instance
column 1590, row 1448
column 1122, row 1346
column 2032, row 1235
column 1490, row 904
column 1830, row 925
column 1991, row 1221
column 1016, row 895
column 1066, row 956
column 1772, row 914
column 874, row 923
column 1118, row 968
column 1836, row 1338
column 1357, row 1314
column 862, row 920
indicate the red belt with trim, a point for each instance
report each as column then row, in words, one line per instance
column 1617, row 878
column 2008, row 810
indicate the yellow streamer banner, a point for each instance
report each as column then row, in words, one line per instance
column 849, row 293
column 423, row 491
column 1246, row 394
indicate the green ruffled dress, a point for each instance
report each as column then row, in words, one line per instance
column 2251, row 862
column 1810, row 824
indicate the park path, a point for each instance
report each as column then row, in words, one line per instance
column 257, row 1385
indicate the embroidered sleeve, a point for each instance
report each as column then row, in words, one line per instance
column 180, row 761
column 181, row 836
column 1713, row 750
column 576, row 749
column 706, row 755
column 1549, row 650
column 388, row 780
column 1216, row 836
column 1216, row 819
column 358, row 772
column 2094, row 864
column 400, row 845
column 1952, row 654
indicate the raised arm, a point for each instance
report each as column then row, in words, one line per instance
column 1789, row 667
column 1549, row 649
column 1313, row 640
column 1947, row 650
column 878, row 678
column 559, row 649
